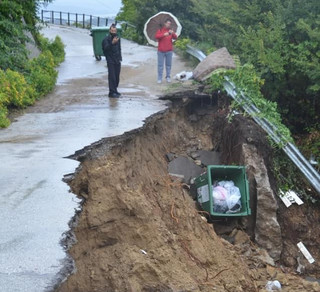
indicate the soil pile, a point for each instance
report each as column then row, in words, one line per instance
column 141, row 231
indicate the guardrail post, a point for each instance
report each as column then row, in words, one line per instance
column 98, row 21
column 42, row 15
column 76, row 19
column 52, row 17
column 106, row 21
column 60, row 18
column 83, row 21
column 69, row 18
column 90, row 21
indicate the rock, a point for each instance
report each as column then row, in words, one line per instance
column 262, row 225
column 193, row 118
column 218, row 59
column 231, row 287
column 209, row 157
column 316, row 286
column 265, row 258
column 186, row 167
column 283, row 279
column 198, row 162
column 204, row 219
column 176, row 177
column 225, row 227
column 195, row 155
column 267, row 229
column 170, row 156
column 241, row 237
column 272, row 272
column 31, row 46
column 67, row 178
column 289, row 255
column 309, row 286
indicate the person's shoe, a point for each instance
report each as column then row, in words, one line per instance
column 168, row 79
column 118, row 93
column 113, row 95
column 159, row 81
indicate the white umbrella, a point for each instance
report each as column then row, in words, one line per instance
column 157, row 21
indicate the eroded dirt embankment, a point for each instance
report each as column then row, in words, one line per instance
column 141, row 231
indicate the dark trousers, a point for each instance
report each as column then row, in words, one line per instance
column 113, row 76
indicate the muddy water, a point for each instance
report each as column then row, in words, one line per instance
column 35, row 205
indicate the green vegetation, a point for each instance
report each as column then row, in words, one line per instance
column 24, row 80
column 36, row 79
column 246, row 80
column 56, row 48
column 279, row 43
column 279, row 38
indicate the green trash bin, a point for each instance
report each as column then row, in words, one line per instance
column 204, row 182
column 98, row 34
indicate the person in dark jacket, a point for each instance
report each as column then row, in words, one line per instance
column 111, row 47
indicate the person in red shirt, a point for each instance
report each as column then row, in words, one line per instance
column 165, row 35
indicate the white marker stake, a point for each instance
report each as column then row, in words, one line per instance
column 285, row 200
column 305, row 252
column 292, row 196
column 289, row 198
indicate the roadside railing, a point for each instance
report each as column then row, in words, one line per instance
column 289, row 149
column 73, row 19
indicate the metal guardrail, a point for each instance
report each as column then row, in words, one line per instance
column 196, row 53
column 73, row 19
column 292, row 152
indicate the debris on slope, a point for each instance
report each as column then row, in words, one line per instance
column 139, row 229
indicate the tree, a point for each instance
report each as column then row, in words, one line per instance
column 279, row 37
column 16, row 17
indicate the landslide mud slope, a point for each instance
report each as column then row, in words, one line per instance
column 141, row 231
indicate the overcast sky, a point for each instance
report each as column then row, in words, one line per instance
column 93, row 7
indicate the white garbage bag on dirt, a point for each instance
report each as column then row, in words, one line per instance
column 273, row 286
column 183, row 76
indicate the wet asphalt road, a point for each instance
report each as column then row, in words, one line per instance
column 35, row 205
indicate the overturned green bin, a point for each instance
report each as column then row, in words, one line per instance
column 216, row 173
column 98, row 34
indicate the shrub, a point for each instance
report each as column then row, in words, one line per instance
column 18, row 90
column 56, row 48
column 42, row 74
column 246, row 80
column 14, row 92
column 131, row 33
column 4, row 121
column 182, row 43
column 4, row 86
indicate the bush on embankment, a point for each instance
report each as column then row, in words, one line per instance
column 36, row 79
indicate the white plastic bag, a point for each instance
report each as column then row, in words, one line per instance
column 219, row 195
column 273, row 286
column 226, row 197
column 234, row 200
column 183, row 76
